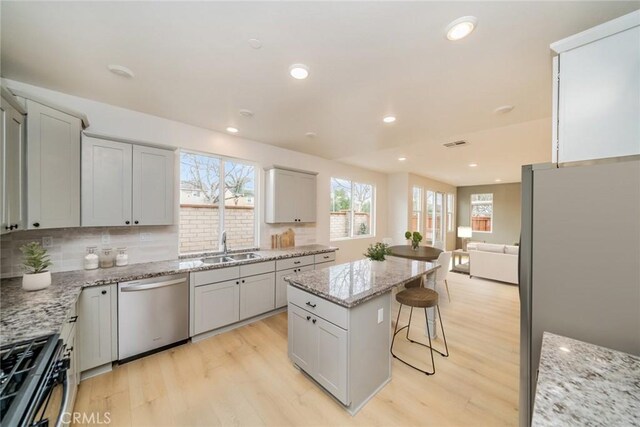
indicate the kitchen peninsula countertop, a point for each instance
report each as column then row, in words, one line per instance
column 581, row 384
column 26, row 315
column 355, row 282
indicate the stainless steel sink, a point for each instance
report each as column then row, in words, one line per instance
column 217, row 259
column 243, row 257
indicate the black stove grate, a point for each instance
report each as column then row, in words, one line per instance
column 21, row 366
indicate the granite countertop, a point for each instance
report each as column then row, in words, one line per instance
column 581, row 384
column 26, row 315
column 355, row 282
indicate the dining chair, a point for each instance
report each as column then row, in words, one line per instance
column 444, row 259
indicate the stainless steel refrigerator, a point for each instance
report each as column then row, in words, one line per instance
column 579, row 260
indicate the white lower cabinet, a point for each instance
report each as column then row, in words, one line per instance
column 281, row 284
column 216, row 305
column 96, row 326
column 320, row 348
column 257, row 295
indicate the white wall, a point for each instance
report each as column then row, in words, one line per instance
column 122, row 123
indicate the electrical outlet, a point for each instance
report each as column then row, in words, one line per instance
column 145, row 237
column 380, row 315
column 47, row 242
column 106, row 238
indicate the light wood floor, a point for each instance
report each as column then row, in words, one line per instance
column 244, row 377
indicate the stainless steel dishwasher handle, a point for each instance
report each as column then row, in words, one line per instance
column 146, row 286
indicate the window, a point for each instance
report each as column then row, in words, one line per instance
column 352, row 209
column 482, row 212
column 416, row 215
column 451, row 207
column 430, row 219
column 216, row 194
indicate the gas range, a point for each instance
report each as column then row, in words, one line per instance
column 33, row 382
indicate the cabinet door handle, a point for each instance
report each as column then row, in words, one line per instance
column 16, row 226
column 243, row 281
column 73, row 319
column 36, row 224
column 308, row 318
column 135, row 222
column 127, row 222
column 6, row 227
column 326, row 257
column 103, row 292
column 297, row 262
column 314, row 320
column 311, row 305
column 238, row 282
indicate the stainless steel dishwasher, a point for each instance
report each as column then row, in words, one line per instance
column 152, row 314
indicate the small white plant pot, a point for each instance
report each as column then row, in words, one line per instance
column 36, row 281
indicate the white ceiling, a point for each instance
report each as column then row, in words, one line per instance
column 193, row 63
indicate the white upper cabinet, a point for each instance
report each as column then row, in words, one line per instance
column 53, row 167
column 290, row 196
column 597, row 92
column 153, row 182
column 126, row 184
column 12, row 164
column 106, row 182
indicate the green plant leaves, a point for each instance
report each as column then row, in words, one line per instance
column 36, row 259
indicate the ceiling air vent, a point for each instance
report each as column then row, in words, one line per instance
column 456, row 144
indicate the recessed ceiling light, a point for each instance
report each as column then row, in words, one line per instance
column 299, row 71
column 120, row 70
column 246, row 113
column 402, row 159
column 389, row 119
column 473, row 165
column 498, row 180
column 504, row 109
column 461, row 27
column 310, row 134
column 232, row 130
column 255, row 43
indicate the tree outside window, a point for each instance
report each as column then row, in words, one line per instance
column 206, row 209
column 351, row 209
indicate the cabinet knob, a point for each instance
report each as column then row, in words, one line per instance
column 73, row 319
column 308, row 317
column 314, row 320
column 127, row 222
column 16, row 226
column 135, row 222
column 242, row 281
column 8, row 227
column 36, row 224
column 237, row 283
column 103, row 292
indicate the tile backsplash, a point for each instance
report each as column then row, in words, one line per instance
column 67, row 246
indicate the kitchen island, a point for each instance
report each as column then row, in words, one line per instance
column 339, row 327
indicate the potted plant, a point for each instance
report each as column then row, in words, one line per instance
column 36, row 261
column 415, row 238
column 377, row 251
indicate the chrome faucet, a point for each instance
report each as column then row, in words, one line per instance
column 223, row 241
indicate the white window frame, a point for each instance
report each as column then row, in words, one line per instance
column 483, row 202
column 372, row 229
column 221, row 205
column 421, row 215
column 451, row 209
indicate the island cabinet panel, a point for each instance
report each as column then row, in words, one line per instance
column 331, row 349
column 351, row 362
column 301, row 339
column 216, row 305
column 281, row 284
column 257, row 295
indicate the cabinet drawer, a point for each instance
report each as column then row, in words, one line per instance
column 257, row 268
column 214, row 276
column 285, row 264
column 326, row 257
column 334, row 313
column 322, row 265
column 281, row 284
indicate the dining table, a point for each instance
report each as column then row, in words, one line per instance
column 421, row 253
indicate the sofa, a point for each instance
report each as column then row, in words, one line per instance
column 493, row 261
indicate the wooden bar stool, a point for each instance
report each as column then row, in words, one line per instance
column 419, row 297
